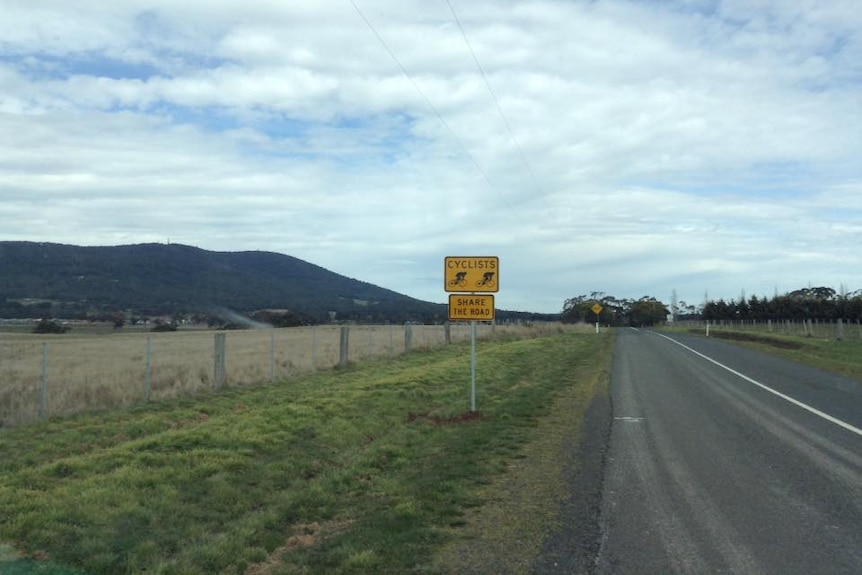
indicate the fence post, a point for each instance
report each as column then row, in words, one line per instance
column 447, row 330
column 148, row 377
column 43, row 400
column 344, row 349
column 272, row 355
column 313, row 348
column 219, row 371
column 408, row 337
column 840, row 328
column 391, row 343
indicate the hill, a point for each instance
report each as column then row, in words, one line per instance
column 158, row 279
column 44, row 279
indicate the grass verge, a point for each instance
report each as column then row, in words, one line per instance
column 843, row 357
column 522, row 507
column 367, row 469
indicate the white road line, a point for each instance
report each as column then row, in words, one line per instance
column 796, row 402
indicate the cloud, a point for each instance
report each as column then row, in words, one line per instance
column 643, row 147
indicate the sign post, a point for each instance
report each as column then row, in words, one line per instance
column 475, row 275
column 473, row 364
column 597, row 309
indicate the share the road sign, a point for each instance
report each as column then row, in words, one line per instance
column 468, row 307
column 472, row 274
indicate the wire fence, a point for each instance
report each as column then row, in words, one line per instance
column 837, row 329
column 43, row 376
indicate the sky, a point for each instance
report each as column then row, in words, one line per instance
column 708, row 148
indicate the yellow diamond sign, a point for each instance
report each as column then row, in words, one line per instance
column 597, row 308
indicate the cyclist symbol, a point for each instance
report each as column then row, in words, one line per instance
column 486, row 281
column 459, row 280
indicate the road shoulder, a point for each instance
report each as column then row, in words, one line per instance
column 542, row 516
column 572, row 549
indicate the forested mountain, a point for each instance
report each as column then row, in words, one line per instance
column 54, row 280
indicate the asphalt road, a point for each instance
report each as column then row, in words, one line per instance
column 708, row 472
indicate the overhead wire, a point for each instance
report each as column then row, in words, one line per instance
column 497, row 103
column 429, row 103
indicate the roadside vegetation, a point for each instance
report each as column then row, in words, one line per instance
column 86, row 371
column 840, row 356
column 378, row 467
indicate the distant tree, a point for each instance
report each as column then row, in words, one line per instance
column 50, row 326
column 822, row 303
column 687, row 311
column 743, row 310
column 615, row 312
column 648, row 311
column 233, row 326
column 284, row 318
column 717, row 310
column 162, row 325
column 579, row 309
column 575, row 309
column 757, row 308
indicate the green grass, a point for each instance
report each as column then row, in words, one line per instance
column 11, row 563
column 843, row 357
column 366, row 469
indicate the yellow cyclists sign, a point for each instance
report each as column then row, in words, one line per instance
column 472, row 274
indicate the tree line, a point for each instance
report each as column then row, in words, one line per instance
column 813, row 303
column 645, row 311
column 816, row 303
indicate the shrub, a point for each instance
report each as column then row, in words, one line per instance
column 50, row 326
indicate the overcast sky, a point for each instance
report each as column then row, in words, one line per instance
column 630, row 147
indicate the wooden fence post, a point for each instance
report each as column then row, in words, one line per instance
column 408, row 337
column 43, row 400
column 313, row 348
column 344, row 348
column 272, row 355
column 148, row 376
column 219, row 371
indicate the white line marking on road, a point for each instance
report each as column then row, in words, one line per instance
column 631, row 419
column 796, row 402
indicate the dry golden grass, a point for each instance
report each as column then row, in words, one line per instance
column 91, row 372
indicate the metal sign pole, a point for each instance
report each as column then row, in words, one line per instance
column 597, row 309
column 480, row 278
column 473, row 366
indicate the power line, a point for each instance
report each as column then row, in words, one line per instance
column 496, row 102
column 428, row 102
